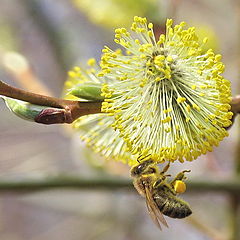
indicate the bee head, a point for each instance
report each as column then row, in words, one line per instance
column 145, row 167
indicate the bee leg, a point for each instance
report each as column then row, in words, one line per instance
column 165, row 168
column 158, row 183
column 180, row 176
column 177, row 184
column 161, row 181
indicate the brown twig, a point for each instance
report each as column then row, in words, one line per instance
column 226, row 186
column 58, row 111
column 235, row 104
column 235, row 108
column 70, row 109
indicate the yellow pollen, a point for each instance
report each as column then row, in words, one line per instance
column 166, row 120
column 91, row 62
column 150, row 25
column 179, row 186
column 181, row 99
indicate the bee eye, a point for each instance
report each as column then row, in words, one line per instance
column 137, row 170
column 140, row 168
column 143, row 168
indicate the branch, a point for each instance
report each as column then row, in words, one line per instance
column 67, row 182
column 58, row 111
column 109, row 183
column 67, row 111
column 235, row 108
column 235, row 104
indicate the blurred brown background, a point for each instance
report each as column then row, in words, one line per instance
column 40, row 40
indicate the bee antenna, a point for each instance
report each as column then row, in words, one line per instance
column 140, row 157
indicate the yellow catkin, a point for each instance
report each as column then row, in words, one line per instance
column 164, row 96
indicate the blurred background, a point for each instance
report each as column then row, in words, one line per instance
column 40, row 41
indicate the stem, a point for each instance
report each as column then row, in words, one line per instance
column 73, row 109
column 38, row 99
column 67, row 182
column 110, row 183
column 235, row 108
column 235, row 104
column 70, row 109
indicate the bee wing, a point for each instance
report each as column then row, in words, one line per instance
column 152, row 214
column 154, row 211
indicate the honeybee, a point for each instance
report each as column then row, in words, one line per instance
column 160, row 194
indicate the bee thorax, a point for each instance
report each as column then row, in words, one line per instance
column 142, row 183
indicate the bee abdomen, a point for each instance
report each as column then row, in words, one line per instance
column 172, row 207
column 177, row 210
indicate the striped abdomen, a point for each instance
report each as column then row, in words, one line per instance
column 170, row 205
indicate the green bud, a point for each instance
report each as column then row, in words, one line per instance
column 88, row 91
column 23, row 109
